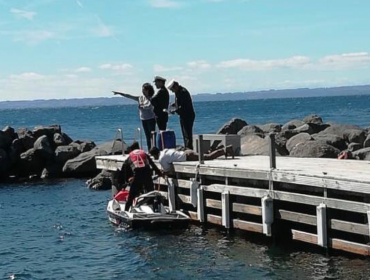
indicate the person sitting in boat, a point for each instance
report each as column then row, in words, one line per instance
column 146, row 110
column 139, row 163
column 168, row 156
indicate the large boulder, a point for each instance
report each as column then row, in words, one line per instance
column 48, row 131
column 350, row 133
column 353, row 147
column 297, row 139
column 313, row 119
column 43, row 148
column 68, row 139
column 59, row 140
column 255, row 145
column 10, row 132
column 5, row 164
column 355, row 135
column 293, row 124
column 26, row 137
column 15, row 151
column 331, row 139
column 232, row 127
column 363, row 154
column 84, row 164
column 5, row 140
column 270, row 127
column 367, row 142
column 84, row 145
column 65, row 153
column 250, row 129
column 102, row 181
column 288, row 133
column 314, row 149
column 30, row 163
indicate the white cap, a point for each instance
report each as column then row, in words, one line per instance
column 171, row 83
column 159, row 78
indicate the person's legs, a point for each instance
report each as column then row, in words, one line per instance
column 135, row 190
column 162, row 122
column 149, row 126
column 191, row 155
column 148, row 181
column 187, row 131
column 215, row 154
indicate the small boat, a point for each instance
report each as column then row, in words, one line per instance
column 148, row 212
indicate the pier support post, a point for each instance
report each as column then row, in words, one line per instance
column 322, row 233
column 267, row 214
column 225, row 201
column 272, row 151
column 200, row 149
column 200, row 210
column 194, row 192
column 171, row 196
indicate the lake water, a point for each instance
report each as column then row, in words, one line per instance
column 59, row 229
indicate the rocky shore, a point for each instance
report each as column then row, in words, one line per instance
column 310, row 137
column 47, row 152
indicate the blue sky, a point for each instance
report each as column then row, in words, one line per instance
column 86, row 48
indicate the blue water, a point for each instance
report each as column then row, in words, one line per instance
column 59, row 229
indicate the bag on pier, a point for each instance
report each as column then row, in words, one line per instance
column 165, row 139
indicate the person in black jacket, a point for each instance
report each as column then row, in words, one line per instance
column 160, row 102
column 184, row 108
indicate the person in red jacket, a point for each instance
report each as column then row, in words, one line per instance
column 139, row 163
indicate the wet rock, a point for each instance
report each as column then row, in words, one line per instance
column 250, row 129
column 314, row 149
column 362, row 154
column 43, row 148
column 59, row 140
column 293, row 124
column 48, row 131
column 313, row 119
column 102, row 181
column 270, row 127
column 332, row 140
column 65, row 153
column 297, row 139
column 353, row 147
column 232, row 127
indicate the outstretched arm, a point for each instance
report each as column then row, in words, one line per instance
column 136, row 98
column 154, row 166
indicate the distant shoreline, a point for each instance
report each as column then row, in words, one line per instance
column 202, row 97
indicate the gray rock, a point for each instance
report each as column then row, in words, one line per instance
column 52, row 170
column 84, row 145
column 255, row 145
column 299, row 138
column 15, row 151
column 27, row 139
column 232, row 127
column 59, row 140
column 280, row 142
column 65, row 153
column 355, row 135
column 341, row 130
column 314, row 149
column 250, row 129
column 270, row 127
column 30, row 163
column 313, row 119
column 102, row 181
column 48, row 131
column 306, row 128
column 332, row 140
column 367, row 142
column 10, row 132
column 293, row 124
column 43, row 148
column 353, row 147
column 288, row 133
column 67, row 139
column 362, row 154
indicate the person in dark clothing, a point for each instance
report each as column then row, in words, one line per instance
column 184, row 108
column 140, row 163
column 160, row 102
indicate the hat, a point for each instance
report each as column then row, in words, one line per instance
column 159, row 78
column 172, row 83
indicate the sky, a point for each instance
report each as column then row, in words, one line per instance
column 87, row 48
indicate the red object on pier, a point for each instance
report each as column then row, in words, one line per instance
column 121, row 196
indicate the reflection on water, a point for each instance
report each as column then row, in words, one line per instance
column 59, row 230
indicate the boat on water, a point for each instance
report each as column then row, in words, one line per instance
column 149, row 211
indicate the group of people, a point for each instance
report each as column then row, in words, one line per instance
column 154, row 108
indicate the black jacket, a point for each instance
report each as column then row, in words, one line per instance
column 160, row 101
column 184, row 103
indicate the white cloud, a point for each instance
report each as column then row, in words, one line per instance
column 164, row 4
column 161, row 68
column 199, row 64
column 253, row 65
column 27, row 76
column 32, row 37
column 346, row 60
column 22, row 14
column 116, row 67
column 83, row 70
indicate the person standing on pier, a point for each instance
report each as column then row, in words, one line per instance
column 184, row 108
column 160, row 101
column 147, row 115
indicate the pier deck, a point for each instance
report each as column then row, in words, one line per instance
column 322, row 201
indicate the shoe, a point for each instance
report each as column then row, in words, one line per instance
column 229, row 151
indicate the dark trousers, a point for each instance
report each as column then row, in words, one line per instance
column 187, row 123
column 149, row 126
column 162, row 121
column 142, row 181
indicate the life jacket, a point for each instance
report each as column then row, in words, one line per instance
column 138, row 159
